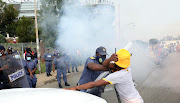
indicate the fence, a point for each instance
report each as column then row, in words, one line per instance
column 20, row 46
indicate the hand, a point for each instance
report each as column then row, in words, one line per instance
column 114, row 57
column 31, row 76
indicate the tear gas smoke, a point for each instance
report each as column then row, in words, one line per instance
column 86, row 28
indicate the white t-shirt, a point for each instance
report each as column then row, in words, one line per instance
column 124, row 85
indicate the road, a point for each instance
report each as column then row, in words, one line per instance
column 161, row 87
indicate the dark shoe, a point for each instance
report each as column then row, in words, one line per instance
column 66, row 84
column 77, row 71
column 50, row 74
column 47, row 74
column 60, row 86
column 69, row 72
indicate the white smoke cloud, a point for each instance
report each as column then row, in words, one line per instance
column 86, row 28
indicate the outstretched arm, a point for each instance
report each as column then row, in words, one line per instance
column 89, row 85
column 96, row 67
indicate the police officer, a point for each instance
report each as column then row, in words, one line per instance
column 61, row 65
column 10, row 50
column 74, row 63
column 93, row 68
column 48, row 58
column 68, row 61
column 4, row 82
column 30, row 71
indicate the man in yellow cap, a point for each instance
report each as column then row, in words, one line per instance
column 121, row 78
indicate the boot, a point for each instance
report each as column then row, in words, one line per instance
column 60, row 86
column 66, row 84
column 50, row 74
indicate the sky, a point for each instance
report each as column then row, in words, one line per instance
column 152, row 18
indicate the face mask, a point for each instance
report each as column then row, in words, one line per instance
column 1, row 53
column 28, row 58
column 100, row 59
column 17, row 56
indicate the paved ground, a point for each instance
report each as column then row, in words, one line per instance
column 161, row 87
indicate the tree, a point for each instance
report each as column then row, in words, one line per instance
column 8, row 17
column 25, row 30
column 49, row 18
column 2, row 39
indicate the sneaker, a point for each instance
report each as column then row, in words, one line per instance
column 60, row 86
column 66, row 84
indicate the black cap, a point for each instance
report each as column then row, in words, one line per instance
column 101, row 50
column 2, row 47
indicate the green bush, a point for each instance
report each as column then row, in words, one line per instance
column 43, row 68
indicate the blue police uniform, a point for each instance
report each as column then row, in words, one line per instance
column 31, row 64
column 74, row 64
column 4, row 82
column 89, row 75
column 67, row 60
column 61, row 68
column 48, row 58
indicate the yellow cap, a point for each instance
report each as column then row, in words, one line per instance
column 123, row 58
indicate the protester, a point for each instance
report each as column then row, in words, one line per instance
column 121, row 78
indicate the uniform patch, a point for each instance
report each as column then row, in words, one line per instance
column 49, row 56
column 92, row 57
column 104, row 49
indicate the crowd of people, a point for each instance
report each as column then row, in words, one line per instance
column 162, row 51
column 117, row 65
